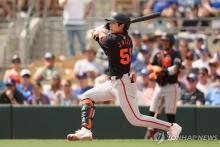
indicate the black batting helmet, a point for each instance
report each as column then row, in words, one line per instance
column 119, row 17
column 168, row 37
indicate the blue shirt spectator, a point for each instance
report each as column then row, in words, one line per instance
column 83, row 84
column 159, row 6
column 213, row 95
column 27, row 92
column 25, row 87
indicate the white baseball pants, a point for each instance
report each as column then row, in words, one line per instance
column 125, row 91
column 168, row 95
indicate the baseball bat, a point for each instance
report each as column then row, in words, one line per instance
column 146, row 17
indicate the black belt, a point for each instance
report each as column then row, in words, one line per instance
column 118, row 76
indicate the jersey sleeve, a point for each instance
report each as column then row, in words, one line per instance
column 106, row 42
column 154, row 60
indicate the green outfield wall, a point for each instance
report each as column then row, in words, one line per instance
column 49, row 122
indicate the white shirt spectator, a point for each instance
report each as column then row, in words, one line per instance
column 200, row 64
column 74, row 12
column 203, row 88
column 86, row 66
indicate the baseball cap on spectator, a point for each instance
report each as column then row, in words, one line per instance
column 15, row 58
column 81, row 75
column 200, row 39
column 145, row 72
column 25, row 72
column 136, row 34
column 144, row 49
column 48, row 55
column 203, row 51
column 192, row 76
column 10, row 82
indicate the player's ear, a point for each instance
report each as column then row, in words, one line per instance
column 122, row 25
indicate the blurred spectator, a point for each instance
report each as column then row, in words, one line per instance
column 203, row 61
column 157, row 37
column 188, row 60
column 213, row 96
column 9, row 9
column 38, row 97
column 213, row 66
column 182, row 76
column 146, row 87
column 191, row 95
column 137, row 41
column 45, row 72
column 102, row 60
column 192, row 12
column 148, row 41
column 198, row 46
column 167, row 8
column 209, row 8
column 14, row 72
column 74, row 14
column 204, row 82
column 11, row 95
column 2, row 10
column 142, row 60
column 42, row 6
column 128, row 7
column 26, row 87
column 22, row 6
column 183, row 48
column 83, row 84
column 66, row 96
column 89, row 65
column 55, row 87
column 217, row 56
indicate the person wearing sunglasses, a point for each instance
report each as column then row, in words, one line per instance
column 190, row 95
column 11, row 95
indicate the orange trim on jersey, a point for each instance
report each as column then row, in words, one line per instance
column 123, row 85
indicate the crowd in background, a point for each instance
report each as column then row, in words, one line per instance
column 13, row 8
column 199, row 76
column 168, row 8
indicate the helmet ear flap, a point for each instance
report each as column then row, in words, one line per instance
column 107, row 26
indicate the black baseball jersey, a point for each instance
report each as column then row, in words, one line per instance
column 118, row 48
column 17, row 95
column 191, row 98
column 160, row 60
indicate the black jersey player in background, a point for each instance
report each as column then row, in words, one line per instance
column 118, row 47
column 167, row 91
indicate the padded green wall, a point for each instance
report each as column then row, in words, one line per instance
column 47, row 122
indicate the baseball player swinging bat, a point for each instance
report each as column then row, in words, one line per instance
column 135, row 20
